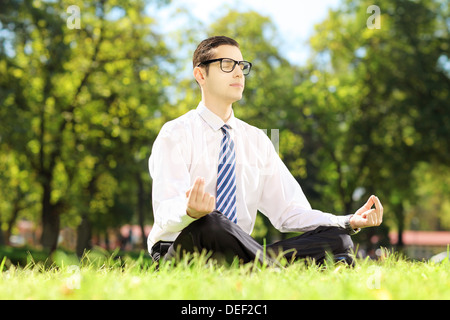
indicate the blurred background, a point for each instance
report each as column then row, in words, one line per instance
column 360, row 99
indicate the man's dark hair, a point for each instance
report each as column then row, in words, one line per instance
column 205, row 52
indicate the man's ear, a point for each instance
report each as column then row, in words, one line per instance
column 199, row 75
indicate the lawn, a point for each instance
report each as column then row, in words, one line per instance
column 102, row 276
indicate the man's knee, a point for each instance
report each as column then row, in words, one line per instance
column 338, row 239
column 345, row 243
column 210, row 228
column 211, row 223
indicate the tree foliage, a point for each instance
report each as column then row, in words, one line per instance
column 388, row 94
column 79, row 105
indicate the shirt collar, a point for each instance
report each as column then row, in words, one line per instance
column 213, row 120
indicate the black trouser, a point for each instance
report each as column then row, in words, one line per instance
column 226, row 240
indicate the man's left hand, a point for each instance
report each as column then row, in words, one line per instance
column 366, row 216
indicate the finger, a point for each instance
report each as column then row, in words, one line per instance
column 191, row 194
column 205, row 199
column 212, row 202
column 379, row 212
column 195, row 188
column 372, row 218
column 366, row 206
column 201, row 190
column 368, row 213
column 370, row 202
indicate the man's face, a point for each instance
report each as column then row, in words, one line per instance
column 227, row 87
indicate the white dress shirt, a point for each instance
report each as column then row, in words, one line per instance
column 188, row 147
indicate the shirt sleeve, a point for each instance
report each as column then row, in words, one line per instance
column 284, row 203
column 168, row 166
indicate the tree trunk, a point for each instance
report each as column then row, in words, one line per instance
column 12, row 220
column 140, row 209
column 2, row 237
column 400, row 224
column 84, row 236
column 50, row 220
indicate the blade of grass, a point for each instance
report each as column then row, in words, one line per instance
column 2, row 264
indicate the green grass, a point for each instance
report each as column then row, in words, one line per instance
column 102, row 276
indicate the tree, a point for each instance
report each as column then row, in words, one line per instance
column 77, row 98
column 384, row 104
column 17, row 191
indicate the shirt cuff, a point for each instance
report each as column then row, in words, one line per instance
column 349, row 228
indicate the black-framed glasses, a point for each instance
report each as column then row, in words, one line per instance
column 228, row 65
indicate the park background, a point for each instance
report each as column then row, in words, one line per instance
column 359, row 111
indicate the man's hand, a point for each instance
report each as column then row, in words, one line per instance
column 366, row 216
column 199, row 202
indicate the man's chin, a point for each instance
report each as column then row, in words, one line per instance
column 237, row 98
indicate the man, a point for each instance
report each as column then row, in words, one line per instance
column 212, row 172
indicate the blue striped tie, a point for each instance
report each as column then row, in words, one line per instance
column 226, row 177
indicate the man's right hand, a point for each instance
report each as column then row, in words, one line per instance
column 199, row 202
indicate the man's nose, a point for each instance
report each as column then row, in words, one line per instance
column 238, row 71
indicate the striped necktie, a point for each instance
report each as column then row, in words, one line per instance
column 226, row 177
